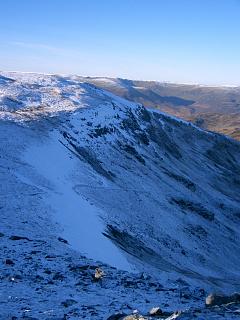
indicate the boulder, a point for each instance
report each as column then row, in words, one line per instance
column 9, row 262
column 218, row 299
column 62, row 240
column 134, row 317
column 156, row 311
column 98, row 275
column 19, row 238
column 175, row 315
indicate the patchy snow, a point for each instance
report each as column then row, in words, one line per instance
column 77, row 162
column 108, row 80
column 80, row 220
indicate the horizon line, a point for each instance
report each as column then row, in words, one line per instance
column 115, row 78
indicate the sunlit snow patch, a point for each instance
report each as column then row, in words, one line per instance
column 81, row 222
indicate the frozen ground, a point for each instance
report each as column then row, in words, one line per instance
column 134, row 189
column 79, row 218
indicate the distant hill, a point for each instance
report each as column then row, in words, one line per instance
column 212, row 108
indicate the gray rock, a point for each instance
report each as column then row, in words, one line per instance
column 68, row 303
column 175, row 315
column 218, row 299
column 9, row 262
column 156, row 311
column 98, row 275
column 19, row 238
column 62, row 240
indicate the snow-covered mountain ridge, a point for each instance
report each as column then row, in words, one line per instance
column 166, row 192
column 214, row 108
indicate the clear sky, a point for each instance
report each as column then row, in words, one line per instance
column 167, row 40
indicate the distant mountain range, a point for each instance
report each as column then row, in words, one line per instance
column 212, row 108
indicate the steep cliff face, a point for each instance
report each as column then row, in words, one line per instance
column 169, row 191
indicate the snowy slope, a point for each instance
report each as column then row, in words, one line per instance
column 214, row 108
column 137, row 189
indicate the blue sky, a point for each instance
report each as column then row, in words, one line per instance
column 166, row 40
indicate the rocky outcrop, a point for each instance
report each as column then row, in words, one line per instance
column 217, row 299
